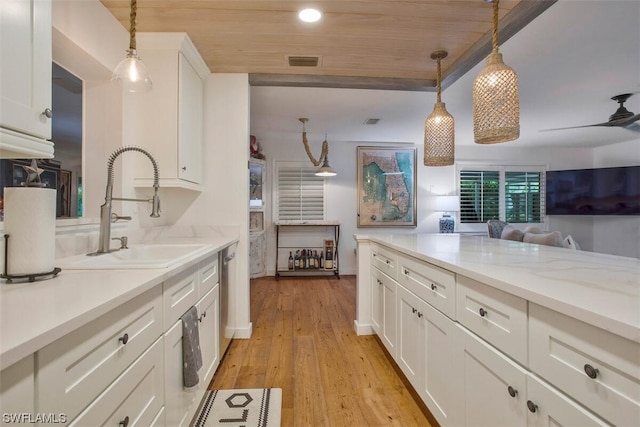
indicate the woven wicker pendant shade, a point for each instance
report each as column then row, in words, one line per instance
column 439, row 137
column 496, row 103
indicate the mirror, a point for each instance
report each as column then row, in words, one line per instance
column 64, row 171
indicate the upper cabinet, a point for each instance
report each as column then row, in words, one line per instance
column 168, row 121
column 25, row 80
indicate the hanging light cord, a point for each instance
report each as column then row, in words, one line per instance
column 438, row 86
column 494, row 34
column 132, row 23
column 323, row 154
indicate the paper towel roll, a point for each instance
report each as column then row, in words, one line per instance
column 30, row 221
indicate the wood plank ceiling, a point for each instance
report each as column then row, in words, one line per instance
column 379, row 44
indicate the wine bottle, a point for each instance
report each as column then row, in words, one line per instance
column 290, row 264
column 321, row 265
column 296, row 260
column 328, row 262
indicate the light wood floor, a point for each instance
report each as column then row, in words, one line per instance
column 304, row 342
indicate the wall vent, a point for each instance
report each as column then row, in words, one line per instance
column 371, row 121
column 303, row 61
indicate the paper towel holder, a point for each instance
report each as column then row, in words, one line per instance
column 31, row 277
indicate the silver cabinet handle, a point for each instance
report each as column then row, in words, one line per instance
column 229, row 257
column 47, row 113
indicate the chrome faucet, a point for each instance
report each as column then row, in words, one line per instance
column 105, row 209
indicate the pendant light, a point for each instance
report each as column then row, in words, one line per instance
column 496, row 104
column 131, row 73
column 325, row 169
column 439, row 127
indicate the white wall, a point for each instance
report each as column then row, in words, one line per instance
column 613, row 235
column 225, row 201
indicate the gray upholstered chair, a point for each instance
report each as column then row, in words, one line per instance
column 495, row 227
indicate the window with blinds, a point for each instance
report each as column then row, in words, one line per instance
column 300, row 193
column 479, row 196
column 506, row 193
column 523, row 201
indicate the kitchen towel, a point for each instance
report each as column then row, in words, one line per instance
column 191, row 354
column 30, row 222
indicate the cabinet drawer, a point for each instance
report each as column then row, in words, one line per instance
column 554, row 408
column 137, row 395
column 180, row 294
column 498, row 317
column 561, row 350
column 208, row 275
column 431, row 283
column 75, row 369
column 385, row 260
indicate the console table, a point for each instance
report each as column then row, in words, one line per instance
column 289, row 227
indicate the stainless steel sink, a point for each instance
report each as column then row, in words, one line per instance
column 135, row 257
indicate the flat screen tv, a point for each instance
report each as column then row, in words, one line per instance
column 602, row 191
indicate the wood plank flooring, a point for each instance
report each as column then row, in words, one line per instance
column 304, row 342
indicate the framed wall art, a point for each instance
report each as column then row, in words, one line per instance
column 386, row 187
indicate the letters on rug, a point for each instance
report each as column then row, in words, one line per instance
column 260, row 407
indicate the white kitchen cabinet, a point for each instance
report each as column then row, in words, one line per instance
column 77, row 368
column 426, row 355
column 377, row 292
column 384, row 260
column 169, row 120
column 17, row 390
column 498, row 317
column 433, row 284
column 548, row 407
column 441, row 383
column 134, row 399
column 494, row 385
column 180, row 294
column 25, row 81
column 179, row 401
column 410, row 336
column 384, row 306
column 209, row 316
column 595, row 367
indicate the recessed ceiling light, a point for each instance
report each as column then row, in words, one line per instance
column 310, row 15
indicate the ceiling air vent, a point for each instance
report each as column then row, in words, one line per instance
column 303, row 61
column 371, row 121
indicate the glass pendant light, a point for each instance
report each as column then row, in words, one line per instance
column 439, row 134
column 131, row 74
column 496, row 104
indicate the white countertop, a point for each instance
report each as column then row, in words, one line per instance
column 599, row 289
column 35, row 314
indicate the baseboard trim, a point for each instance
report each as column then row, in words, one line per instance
column 362, row 329
column 243, row 333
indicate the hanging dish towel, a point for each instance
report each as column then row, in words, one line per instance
column 191, row 354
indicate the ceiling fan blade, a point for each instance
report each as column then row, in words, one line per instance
column 626, row 123
column 577, row 127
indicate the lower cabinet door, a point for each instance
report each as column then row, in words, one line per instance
column 17, row 390
column 441, row 379
column 494, row 386
column 410, row 351
column 208, row 310
column 376, row 301
column 180, row 404
column 548, row 407
column 135, row 398
column 389, row 307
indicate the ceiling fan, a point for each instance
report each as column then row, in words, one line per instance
column 621, row 118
